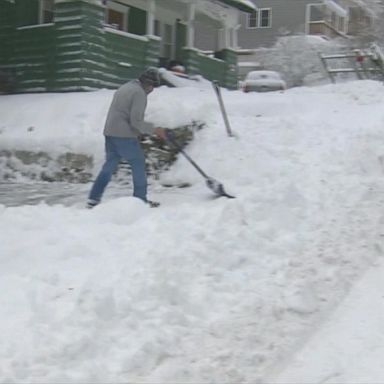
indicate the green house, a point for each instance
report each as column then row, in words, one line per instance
column 78, row 45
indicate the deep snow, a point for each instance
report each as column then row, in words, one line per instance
column 204, row 290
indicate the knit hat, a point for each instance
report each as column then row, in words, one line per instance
column 150, row 77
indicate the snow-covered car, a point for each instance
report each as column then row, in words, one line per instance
column 263, row 81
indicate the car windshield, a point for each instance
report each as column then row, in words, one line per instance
column 256, row 75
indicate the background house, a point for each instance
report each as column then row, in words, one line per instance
column 276, row 18
column 66, row 45
column 261, row 30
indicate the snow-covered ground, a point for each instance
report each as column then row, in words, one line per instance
column 280, row 285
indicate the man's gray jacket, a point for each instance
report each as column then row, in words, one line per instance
column 126, row 114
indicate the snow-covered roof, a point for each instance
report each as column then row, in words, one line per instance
column 242, row 5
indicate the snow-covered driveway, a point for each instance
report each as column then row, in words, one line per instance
column 200, row 290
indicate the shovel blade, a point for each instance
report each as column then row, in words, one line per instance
column 217, row 188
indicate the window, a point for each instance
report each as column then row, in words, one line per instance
column 265, row 18
column 117, row 16
column 252, row 20
column 46, row 11
column 262, row 18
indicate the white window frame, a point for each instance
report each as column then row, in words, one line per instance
column 260, row 10
column 41, row 12
column 249, row 15
column 118, row 8
column 258, row 19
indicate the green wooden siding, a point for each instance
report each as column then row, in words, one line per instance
column 126, row 56
column 76, row 52
column 33, row 58
column 7, row 32
column 152, row 52
column 80, row 53
column 191, row 60
column 213, row 69
column 222, row 67
column 231, row 69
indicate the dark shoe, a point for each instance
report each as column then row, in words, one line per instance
column 153, row 204
column 92, row 203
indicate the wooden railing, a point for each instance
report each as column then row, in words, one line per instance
column 324, row 28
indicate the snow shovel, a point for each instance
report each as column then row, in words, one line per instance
column 212, row 184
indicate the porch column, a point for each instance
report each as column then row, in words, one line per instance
column 227, row 37
column 235, row 35
column 308, row 9
column 224, row 37
column 151, row 17
column 190, row 25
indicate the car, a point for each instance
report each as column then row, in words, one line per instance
column 263, row 81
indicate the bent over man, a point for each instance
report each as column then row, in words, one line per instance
column 123, row 127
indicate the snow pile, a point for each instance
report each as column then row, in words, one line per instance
column 349, row 347
column 297, row 58
column 199, row 290
column 178, row 79
column 58, row 136
column 57, row 123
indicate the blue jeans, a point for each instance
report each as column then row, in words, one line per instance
column 117, row 148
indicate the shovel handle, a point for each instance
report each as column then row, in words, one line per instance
column 172, row 140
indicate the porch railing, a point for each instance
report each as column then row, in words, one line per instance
column 32, row 59
column 322, row 27
column 128, row 54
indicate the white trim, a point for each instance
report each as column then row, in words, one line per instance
column 307, row 18
column 190, row 25
column 151, row 13
column 123, row 64
column 126, row 34
column 269, row 17
column 227, row 39
column 249, row 17
column 258, row 19
column 35, row 26
column 40, row 10
column 235, row 37
column 153, row 37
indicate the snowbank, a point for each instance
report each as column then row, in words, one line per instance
column 199, row 290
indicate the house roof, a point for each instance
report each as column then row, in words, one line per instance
column 242, row 5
